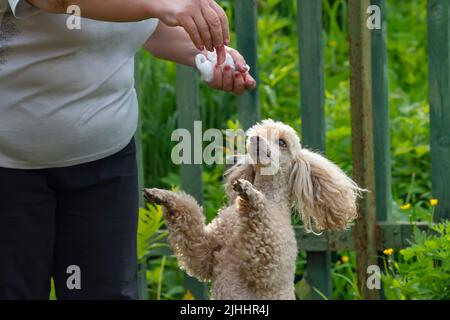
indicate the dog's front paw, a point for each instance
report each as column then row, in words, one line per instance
column 156, row 196
column 243, row 188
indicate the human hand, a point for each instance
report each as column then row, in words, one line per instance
column 204, row 21
column 229, row 80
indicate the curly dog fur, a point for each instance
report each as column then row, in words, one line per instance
column 249, row 251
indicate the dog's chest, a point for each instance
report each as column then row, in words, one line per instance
column 228, row 282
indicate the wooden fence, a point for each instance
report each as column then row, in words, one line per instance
column 369, row 109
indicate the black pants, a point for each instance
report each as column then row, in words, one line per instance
column 76, row 224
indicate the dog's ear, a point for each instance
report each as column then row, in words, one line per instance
column 325, row 195
column 241, row 170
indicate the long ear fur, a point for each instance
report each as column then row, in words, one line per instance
column 324, row 193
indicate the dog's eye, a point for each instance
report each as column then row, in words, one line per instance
column 282, row 143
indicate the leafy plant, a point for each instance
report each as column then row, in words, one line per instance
column 151, row 242
column 421, row 271
column 165, row 279
column 344, row 277
column 150, row 235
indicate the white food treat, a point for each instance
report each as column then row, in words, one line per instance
column 212, row 56
column 205, row 67
column 206, row 64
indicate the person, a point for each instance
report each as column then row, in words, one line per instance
column 68, row 114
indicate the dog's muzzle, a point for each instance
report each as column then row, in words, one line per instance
column 259, row 150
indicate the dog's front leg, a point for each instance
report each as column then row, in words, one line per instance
column 256, row 240
column 191, row 243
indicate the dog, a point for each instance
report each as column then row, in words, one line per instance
column 249, row 250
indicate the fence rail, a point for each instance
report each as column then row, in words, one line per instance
column 370, row 127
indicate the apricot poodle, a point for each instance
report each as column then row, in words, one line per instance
column 249, row 251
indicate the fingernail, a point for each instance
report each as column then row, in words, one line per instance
column 237, row 75
column 227, row 68
column 227, row 42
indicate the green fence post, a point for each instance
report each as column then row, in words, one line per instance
column 312, row 91
column 188, row 108
column 439, row 98
column 382, row 143
column 363, row 141
column 247, row 44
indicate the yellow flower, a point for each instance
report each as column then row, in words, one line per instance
column 345, row 259
column 434, row 202
column 389, row 252
column 188, row 296
column 405, row 206
column 333, row 43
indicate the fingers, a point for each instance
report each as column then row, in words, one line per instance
column 232, row 81
column 239, row 60
column 227, row 79
column 218, row 28
column 214, row 27
column 239, row 84
column 218, row 79
column 223, row 22
column 241, row 66
column 224, row 34
column 221, row 55
column 204, row 20
column 250, row 82
column 203, row 30
column 191, row 28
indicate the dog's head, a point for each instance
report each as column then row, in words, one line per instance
column 325, row 195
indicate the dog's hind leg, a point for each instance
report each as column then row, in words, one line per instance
column 190, row 241
column 259, row 245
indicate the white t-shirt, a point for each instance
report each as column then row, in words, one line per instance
column 66, row 96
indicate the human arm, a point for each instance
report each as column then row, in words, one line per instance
column 204, row 20
column 173, row 44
